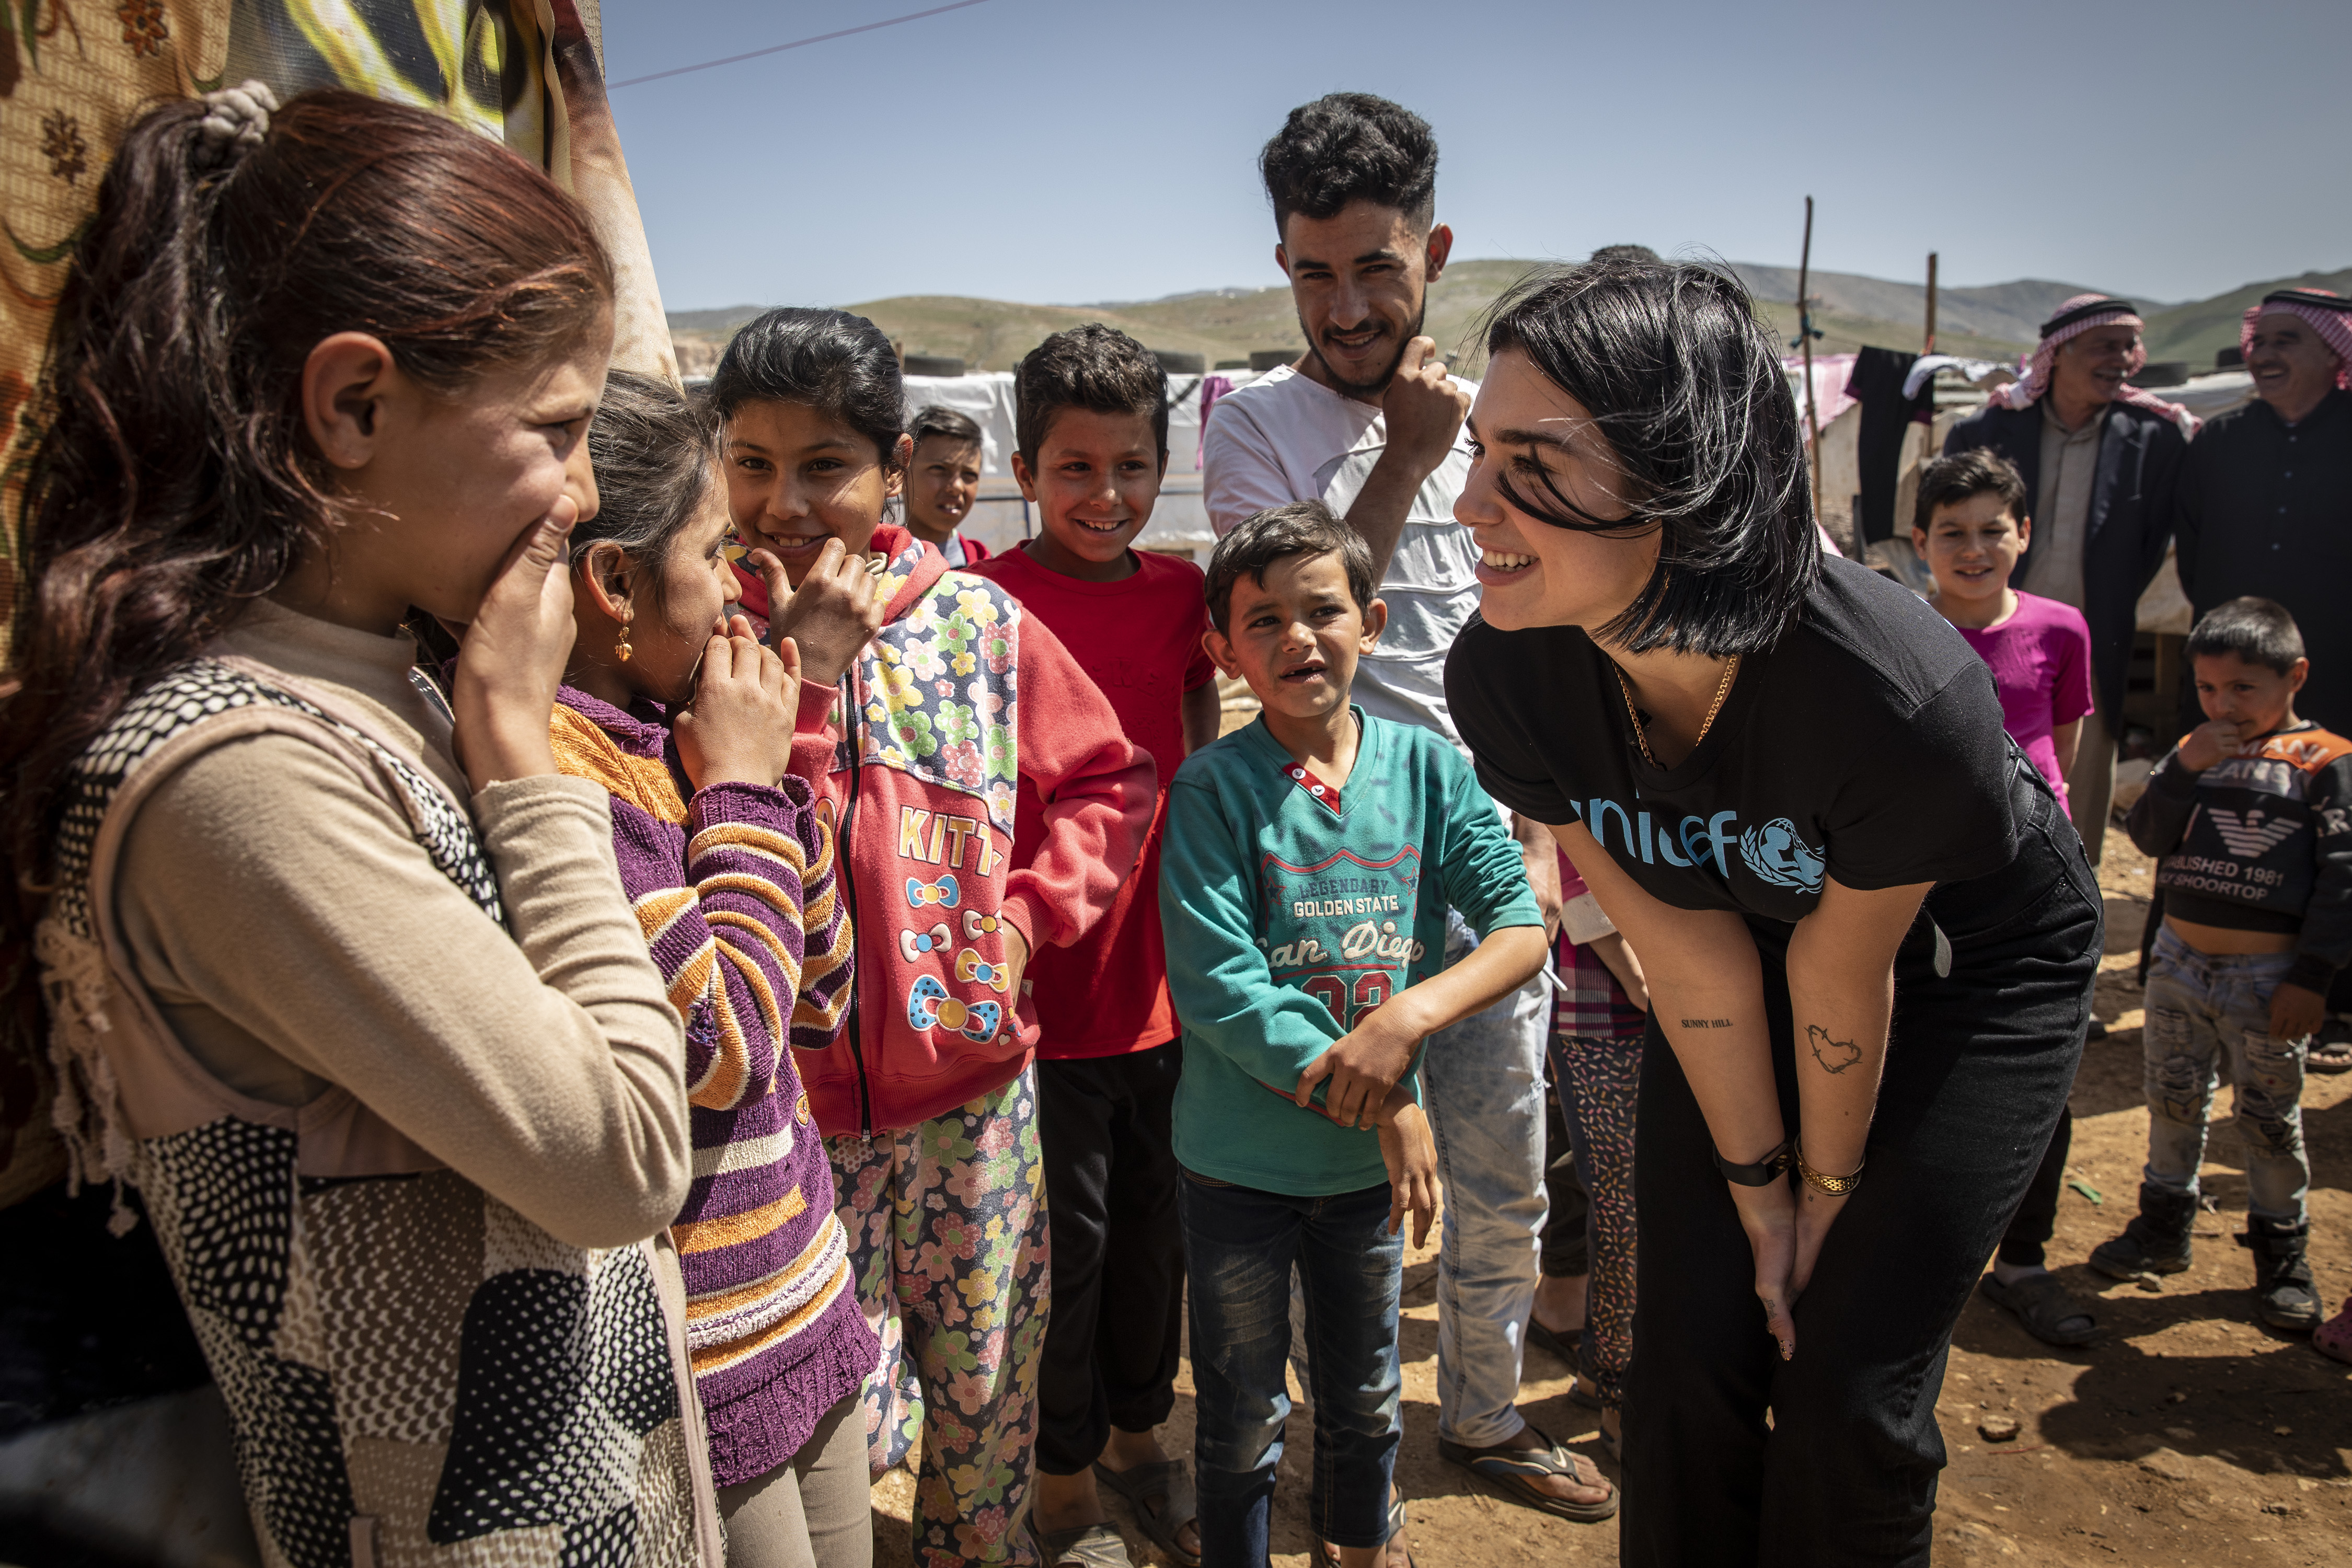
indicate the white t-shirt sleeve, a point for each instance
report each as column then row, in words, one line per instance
column 1240, row 473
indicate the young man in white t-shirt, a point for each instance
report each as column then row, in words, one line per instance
column 1369, row 421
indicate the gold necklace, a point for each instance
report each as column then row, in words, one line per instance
column 1640, row 736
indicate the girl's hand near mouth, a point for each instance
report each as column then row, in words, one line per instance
column 832, row 616
column 739, row 728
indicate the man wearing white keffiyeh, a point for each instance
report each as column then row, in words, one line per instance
column 2099, row 457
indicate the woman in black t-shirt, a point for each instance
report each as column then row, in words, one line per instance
column 1868, row 927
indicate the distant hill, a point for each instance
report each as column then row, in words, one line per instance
column 1997, row 322
column 720, row 323
column 2194, row 331
column 2004, row 313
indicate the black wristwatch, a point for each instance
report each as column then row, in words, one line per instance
column 1763, row 1174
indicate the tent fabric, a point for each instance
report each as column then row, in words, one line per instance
column 1973, row 370
column 528, row 74
column 1831, row 373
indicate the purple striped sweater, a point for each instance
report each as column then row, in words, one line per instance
column 735, row 892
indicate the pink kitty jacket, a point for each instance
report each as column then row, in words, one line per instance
column 959, row 697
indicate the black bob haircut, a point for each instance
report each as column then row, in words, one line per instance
column 944, row 424
column 1980, row 471
column 2258, row 631
column 1299, row 528
column 1093, row 367
column 830, row 361
column 1683, row 380
column 653, row 447
column 1347, row 147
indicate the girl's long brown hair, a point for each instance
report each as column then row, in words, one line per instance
column 174, row 481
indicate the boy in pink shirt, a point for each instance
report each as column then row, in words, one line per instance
column 1971, row 529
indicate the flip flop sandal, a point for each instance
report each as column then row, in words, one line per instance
column 1164, row 1501
column 2332, row 1055
column 1328, row 1555
column 2044, row 1306
column 1612, row 1447
column 1563, row 1346
column 1091, row 1546
column 1514, row 1471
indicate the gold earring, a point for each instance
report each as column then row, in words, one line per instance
column 621, row 648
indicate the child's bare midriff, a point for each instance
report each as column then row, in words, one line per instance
column 2221, row 941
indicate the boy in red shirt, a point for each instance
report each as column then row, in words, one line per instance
column 1091, row 418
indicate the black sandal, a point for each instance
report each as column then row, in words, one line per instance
column 2044, row 1306
column 1559, row 1343
column 1515, row 1469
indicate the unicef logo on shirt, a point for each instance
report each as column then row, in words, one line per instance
column 1776, row 854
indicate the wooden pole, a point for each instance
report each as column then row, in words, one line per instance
column 1805, row 340
column 1931, row 304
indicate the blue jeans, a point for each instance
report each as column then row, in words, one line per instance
column 2202, row 1010
column 1482, row 1085
column 1239, row 1247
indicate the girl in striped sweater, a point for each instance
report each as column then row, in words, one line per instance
column 730, row 872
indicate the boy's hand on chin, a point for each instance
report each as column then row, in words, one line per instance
column 833, row 614
column 1365, row 1065
column 2296, row 1013
column 2208, row 743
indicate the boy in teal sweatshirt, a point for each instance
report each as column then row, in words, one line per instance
column 1303, row 951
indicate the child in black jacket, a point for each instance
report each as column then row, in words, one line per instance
column 2250, row 820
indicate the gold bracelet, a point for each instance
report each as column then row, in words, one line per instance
column 1836, row 1186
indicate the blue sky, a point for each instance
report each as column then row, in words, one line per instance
column 1077, row 150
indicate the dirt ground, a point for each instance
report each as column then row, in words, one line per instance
column 2185, row 1434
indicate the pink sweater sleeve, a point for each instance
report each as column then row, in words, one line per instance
column 1097, row 789
column 1571, row 880
column 814, row 742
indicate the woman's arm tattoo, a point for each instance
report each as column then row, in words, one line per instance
column 1835, row 1055
column 1707, row 1023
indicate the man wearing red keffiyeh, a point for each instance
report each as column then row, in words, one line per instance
column 2265, row 503
column 2099, row 457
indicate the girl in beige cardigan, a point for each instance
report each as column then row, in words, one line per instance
column 341, row 981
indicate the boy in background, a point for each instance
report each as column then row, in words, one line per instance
column 1309, row 864
column 1091, row 419
column 942, row 482
column 2250, row 818
column 1972, row 528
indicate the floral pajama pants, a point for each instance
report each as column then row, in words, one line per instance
column 947, row 1239
column 1598, row 1081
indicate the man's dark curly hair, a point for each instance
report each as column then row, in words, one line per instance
column 1351, row 146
